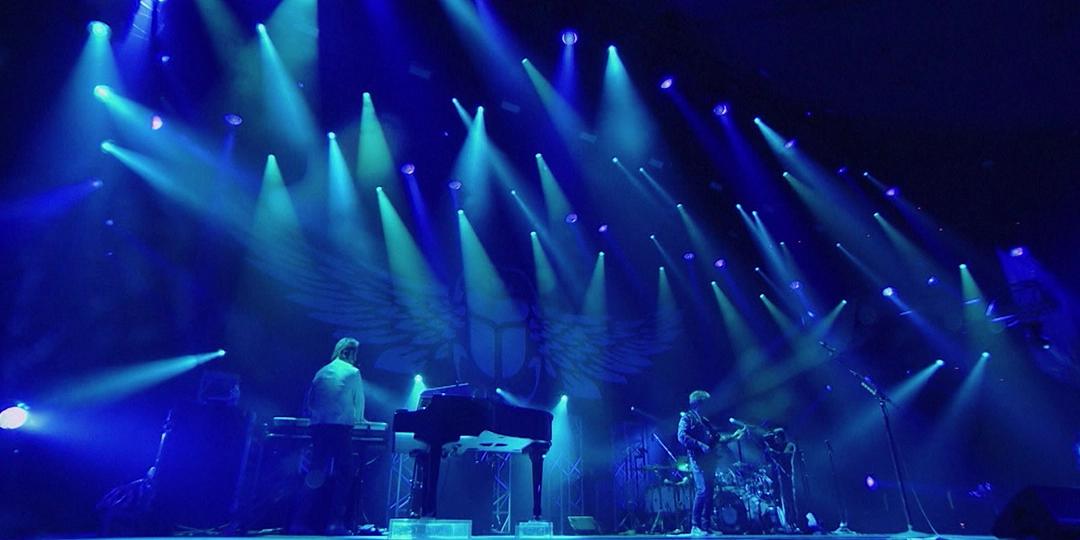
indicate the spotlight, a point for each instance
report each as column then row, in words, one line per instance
column 891, row 192
column 600, row 254
column 408, row 168
column 688, row 256
column 331, row 135
column 454, row 185
column 532, row 233
column 96, row 184
column 931, row 281
column 719, row 263
column 795, row 285
column 721, row 109
column 871, row 483
column 569, row 37
column 564, row 398
column 233, row 119
column 418, row 378
column 498, row 390
column 1016, row 251
column 98, row 29
column 602, row 228
column 165, row 59
column 14, row 417
column 888, row 292
column 261, row 28
column 156, row 122
column 841, row 170
column 984, row 356
column 571, row 217
column 790, row 144
column 939, row 362
column 963, row 266
column 614, row 160
column 666, row 82
column 102, row 92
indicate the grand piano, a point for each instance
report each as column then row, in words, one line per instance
column 454, row 419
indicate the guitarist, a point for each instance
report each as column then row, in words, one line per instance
column 701, row 439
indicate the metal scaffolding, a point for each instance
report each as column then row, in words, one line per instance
column 501, row 493
column 399, row 490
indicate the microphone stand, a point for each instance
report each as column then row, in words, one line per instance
column 843, row 528
column 884, row 402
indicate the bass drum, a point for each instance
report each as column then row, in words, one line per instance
column 730, row 513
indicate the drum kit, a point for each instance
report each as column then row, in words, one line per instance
column 748, row 497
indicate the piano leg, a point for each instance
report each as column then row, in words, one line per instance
column 536, row 455
column 430, row 487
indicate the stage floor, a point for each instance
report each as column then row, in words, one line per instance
column 599, row 537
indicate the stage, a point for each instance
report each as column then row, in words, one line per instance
column 294, row 265
column 619, row 537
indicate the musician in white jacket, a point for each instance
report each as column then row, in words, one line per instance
column 335, row 402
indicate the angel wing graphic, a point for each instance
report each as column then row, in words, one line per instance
column 416, row 325
column 582, row 351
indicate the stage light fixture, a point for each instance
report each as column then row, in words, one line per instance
column 667, row 82
column 888, row 292
column 564, row 398
column 719, row 263
column 571, row 217
column 454, row 185
column 1017, row 251
column 569, row 37
column 261, row 28
column 14, row 417
column 688, row 256
column 931, row 281
column 721, row 109
column 891, row 192
column 602, row 228
column 871, row 483
column 418, row 378
column 939, row 362
column 790, row 144
column 102, row 92
column 99, row 29
column 233, row 119
column 331, row 135
column 795, row 285
column 156, row 122
column 408, row 168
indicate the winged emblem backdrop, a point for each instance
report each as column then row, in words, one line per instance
column 415, row 327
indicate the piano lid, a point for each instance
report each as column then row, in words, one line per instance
column 461, row 390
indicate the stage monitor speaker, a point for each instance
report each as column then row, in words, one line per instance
column 1041, row 512
column 583, row 524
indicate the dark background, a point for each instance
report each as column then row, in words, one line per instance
column 967, row 108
